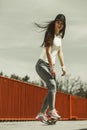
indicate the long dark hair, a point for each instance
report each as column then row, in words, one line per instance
column 49, row 30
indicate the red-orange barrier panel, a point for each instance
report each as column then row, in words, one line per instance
column 22, row 101
column 78, row 108
column 19, row 100
column 63, row 105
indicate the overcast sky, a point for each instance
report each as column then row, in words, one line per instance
column 20, row 40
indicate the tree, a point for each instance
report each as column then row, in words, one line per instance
column 14, row 76
column 73, row 86
column 25, row 78
column 1, row 73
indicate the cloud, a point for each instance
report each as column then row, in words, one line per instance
column 20, row 41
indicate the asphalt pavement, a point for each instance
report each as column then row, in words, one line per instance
column 36, row 125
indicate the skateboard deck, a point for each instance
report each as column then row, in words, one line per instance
column 52, row 121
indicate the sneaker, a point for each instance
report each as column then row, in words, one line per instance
column 41, row 117
column 53, row 114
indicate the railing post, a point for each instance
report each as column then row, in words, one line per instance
column 70, row 107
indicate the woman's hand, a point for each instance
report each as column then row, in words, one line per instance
column 63, row 71
column 52, row 71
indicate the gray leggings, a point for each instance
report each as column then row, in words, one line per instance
column 43, row 70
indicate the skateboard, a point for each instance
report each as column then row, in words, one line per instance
column 52, row 121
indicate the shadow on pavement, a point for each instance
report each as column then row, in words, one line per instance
column 83, row 129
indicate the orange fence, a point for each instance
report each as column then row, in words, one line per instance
column 22, row 101
column 78, row 108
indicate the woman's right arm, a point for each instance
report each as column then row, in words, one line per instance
column 48, row 53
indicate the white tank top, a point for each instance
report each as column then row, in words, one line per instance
column 54, row 50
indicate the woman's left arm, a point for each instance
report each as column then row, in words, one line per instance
column 61, row 59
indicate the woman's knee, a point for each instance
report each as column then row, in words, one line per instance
column 52, row 85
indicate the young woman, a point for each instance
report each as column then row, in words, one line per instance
column 51, row 47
